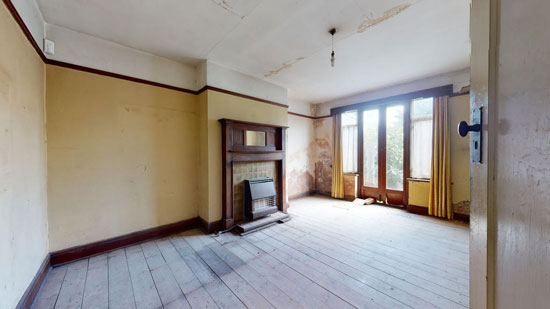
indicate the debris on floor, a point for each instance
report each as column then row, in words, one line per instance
column 361, row 202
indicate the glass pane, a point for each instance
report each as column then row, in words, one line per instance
column 421, row 148
column 370, row 148
column 255, row 138
column 394, row 147
column 422, row 108
column 349, row 141
column 349, row 118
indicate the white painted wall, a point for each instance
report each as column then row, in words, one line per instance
column 300, row 107
column 31, row 14
column 228, row 79
column 459, row 79
column 89, row 51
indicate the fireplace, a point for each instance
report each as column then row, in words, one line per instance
column 259, row 198
column 251, row 151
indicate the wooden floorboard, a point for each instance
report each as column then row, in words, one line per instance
column 332, row 254
column 96, row 291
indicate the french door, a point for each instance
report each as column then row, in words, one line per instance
column 383, row 152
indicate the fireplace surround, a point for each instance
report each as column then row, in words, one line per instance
column 250, row 142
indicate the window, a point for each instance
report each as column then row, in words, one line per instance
column 421, row 137
column 349, row 141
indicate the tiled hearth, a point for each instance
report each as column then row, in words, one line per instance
column 248, row 170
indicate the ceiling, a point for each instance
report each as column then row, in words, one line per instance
column 378, row 42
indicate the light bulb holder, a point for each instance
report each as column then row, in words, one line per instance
column 332, row 32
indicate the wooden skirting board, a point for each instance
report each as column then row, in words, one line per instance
column 300, row 195
column 424, row 211
column 210, row 227
column 31, row 291
column 78, row 252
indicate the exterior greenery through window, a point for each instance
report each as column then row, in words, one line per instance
column 349, row 141
column 421, row 137
column 394, row 147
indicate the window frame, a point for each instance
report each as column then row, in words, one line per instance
column 446, row 90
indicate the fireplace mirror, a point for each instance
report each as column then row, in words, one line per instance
column 255, row 138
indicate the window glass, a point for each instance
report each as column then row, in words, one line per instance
column 394, row 147
column 421, row 137
column 370, row 148
column 349, row 141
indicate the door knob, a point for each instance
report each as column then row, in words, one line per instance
column 475, row 128
column 464, row 128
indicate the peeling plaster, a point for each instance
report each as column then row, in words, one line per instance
column 284, row 66
column 370, row 21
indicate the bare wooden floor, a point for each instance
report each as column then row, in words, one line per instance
column 331, row 254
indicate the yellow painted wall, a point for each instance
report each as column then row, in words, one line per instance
column 460, row 158
column 122, row 156
column 23, row 199
column 222, row 105
column 419, row 193
column 460, row 150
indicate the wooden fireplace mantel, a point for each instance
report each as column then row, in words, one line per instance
column 234, row 149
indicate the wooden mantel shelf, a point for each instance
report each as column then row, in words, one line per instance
column 256, row 151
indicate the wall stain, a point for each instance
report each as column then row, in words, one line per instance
column 226, row 6
column 323, row 155
column 371, row 21
column 462, row 207
column 284, row 66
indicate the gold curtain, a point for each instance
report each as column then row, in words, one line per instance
column 440, row 203
column 337, row 163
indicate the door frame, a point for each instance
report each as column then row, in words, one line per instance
column 382, row 191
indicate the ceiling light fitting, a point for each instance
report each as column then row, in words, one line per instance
column 332, row 32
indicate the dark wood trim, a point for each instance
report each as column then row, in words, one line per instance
column 31, row 291
column 419, row 210
column 457, row 94
column 24, row 28
column 321, row 117
column 418, row 179
column 402, row 207
column 461, row 217
column 116, row 75
column 432, row 92
column 257, row 124
column 210, row 227
column 317, row 192
column 301, row 195
column 239, row 95
column 406, row 150
column 310, row 117
column 78, row 252
column 302, row 115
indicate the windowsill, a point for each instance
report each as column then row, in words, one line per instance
column 418, row 179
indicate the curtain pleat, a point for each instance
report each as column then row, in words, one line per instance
column 440, row 202
column 337, row 162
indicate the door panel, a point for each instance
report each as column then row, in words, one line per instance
column 383, row 153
